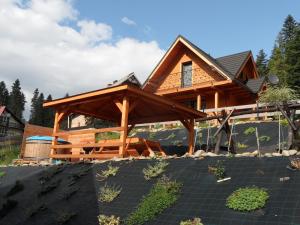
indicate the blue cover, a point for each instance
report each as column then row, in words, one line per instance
column 44, row 138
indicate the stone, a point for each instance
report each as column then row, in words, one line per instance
column 185, row 155
column 246, row 154
column 276, row 154
column 293, row 152
column 211, row 154
column 152, row 154
column 255, row 153
column 285, row 153
column 268, row 154
column 45, row 163
column 238, row 155
column 199, row 153
column 298, row 153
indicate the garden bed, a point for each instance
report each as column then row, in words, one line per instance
column 200, row 195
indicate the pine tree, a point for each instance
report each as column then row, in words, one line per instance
column 48, row 114
column 287, row 32
column 40, row 110
column 4, row 94
column 16, row 102
column 262, row 63
column 33, row 110
column 277, row 65
column 293, row 62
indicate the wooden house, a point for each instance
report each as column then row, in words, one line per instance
column 11, row 127
column 188, row 75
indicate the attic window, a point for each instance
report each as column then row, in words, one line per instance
column 186, row 76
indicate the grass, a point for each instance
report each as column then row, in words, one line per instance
column 154, row 171
column 107, row 136
column 250, row 130
column 8, row 154
column 247, row 199
column 2, row 174
column 109, row 193
column 195, row 221
column 110, row 171
column 162, row 195
column 108, row 220
column 241, row 145
column 264, row 138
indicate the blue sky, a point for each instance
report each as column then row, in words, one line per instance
column 218, row 27
column 72, row 46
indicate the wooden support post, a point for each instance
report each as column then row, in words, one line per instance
column 191, row 136
column 216, row 99
column 124, row 124
column 55, row 131
column 199, row 102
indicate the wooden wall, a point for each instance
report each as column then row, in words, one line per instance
column 171, row 77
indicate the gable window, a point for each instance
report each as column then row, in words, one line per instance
column 186, row 76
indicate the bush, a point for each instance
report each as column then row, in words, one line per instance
column 110, row 171
column 108, row 220
column 155, row 170
column 250, row 130
column 277, row 95
column 195, row 221
column 162, row 195
column 109, row 193
column 8, row 154
column 247, row 199
column 218, row 170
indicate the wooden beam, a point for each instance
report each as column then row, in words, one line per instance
column 216, row 99
column 118, row 104
column 109, row 143
column 130, row 128
column 191, row 137
column 55, row 130
column 84, row 156
column 287, row 118
column 223, row 123
column 199, row 102
column 133, row 105
column 89, row 131
column 124, row 123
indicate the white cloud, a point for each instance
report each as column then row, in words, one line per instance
column 128, row 21
column 56, row 58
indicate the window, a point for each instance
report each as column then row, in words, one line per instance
column 186, row 77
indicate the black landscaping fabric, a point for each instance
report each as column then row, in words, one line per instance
column 201, row 196
column 174, row 141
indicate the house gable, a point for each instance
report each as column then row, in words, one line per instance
column 168, row 72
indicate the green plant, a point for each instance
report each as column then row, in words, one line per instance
column 152, row 135
column 162, row 195
column 195, row 221
column 109, row 193
column 264, row 138
column 15, row 189
column 250, row 130
column 108, row 220
column 155, row 170
column 218, row 170
column 247, row 199
column 8, row 154
column 171, row 136
column 277, row 95
column 110, row 171
column 241, row 145
column 2, row 174
column 284, row 123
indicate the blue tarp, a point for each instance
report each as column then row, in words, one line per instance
column 44, row 138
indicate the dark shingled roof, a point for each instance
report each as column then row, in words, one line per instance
column 129, row 79
column 255, row 84
column 233, row 63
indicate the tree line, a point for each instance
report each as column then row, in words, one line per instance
column 284, row 60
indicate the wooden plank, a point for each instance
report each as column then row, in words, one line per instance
column 223, row 123
column 118, row 104
column 198, row 102
column 55, row 130
column 88, row 145
column 84, row 156
column 124, row 123
column 216, row 99
column 287, row 118
column 101, row 130
column 191, row 137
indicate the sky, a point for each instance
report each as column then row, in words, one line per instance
column 71, row 46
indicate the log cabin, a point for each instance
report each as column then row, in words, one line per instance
column 188, row 75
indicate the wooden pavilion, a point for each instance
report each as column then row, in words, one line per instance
column 126, row 105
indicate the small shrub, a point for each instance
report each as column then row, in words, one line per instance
column 155, row 170
column 241, row 145
column 247, row 199
column 108, row 220
column 15, row 189
column 162, row 195
column 264, row 138
column 250, row 130
column 218, row 170
column 7, row 207
column 2, row 174
column 109, row 193
column 65, row 217
column 110, row 171
column 8, row 154
column 284, row 123
column 195, row 221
